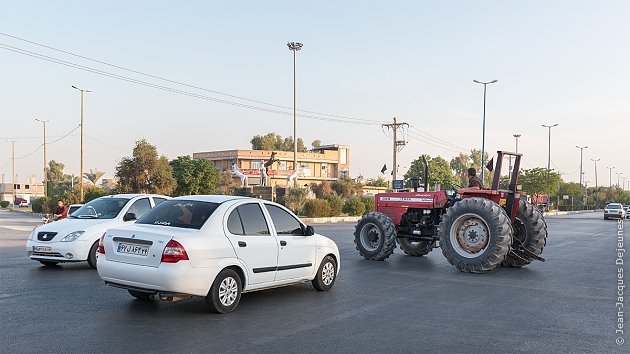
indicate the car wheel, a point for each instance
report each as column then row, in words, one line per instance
column 326, row 274
column 140, row 295
column 225, row 292
column 92, row 255
column 48, row 263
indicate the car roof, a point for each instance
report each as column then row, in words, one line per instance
column 212, row 198
column 133, row 195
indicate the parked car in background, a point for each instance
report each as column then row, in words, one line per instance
column 217, row 247
column 73, row 207
column 614, row 210
column 75, row 239
column 626, row 209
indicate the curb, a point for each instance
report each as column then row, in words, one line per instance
column 556, row 213
column 330, row 220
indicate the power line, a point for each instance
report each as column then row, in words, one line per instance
column 104, row 143
column 424, row 140
column 52, row 142
column 15, row 49
column 436, row 139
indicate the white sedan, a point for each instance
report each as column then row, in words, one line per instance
column 75, row 239
column 216, row 247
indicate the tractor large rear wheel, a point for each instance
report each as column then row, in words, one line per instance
column 375, row 236
column 475, row 235
column 530, row 231
column 415, row 248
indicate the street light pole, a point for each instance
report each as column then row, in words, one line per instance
column 294, row 47
column 596, row 185
column 549, row 156
column 45, row 177
column 516, row 136
column 81, row 166
column 581, row 155
column 483, row 136
column 13, row 170
column 610, row 176
column 618, row 174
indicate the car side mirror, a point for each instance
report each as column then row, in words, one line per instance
column 310, row 231
column 129, row 217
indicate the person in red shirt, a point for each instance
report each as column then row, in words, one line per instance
column 62, row 210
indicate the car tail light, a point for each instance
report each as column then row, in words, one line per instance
column 101, row 244
column 174, row 252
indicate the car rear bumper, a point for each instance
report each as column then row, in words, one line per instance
column 613, row 215
column 178, row 277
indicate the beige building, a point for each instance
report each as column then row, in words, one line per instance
column 28, row 191
column 325, row 163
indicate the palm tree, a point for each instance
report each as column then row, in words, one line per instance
column 93, row 176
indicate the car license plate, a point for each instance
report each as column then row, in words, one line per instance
column 42, row 249
column 139, row 250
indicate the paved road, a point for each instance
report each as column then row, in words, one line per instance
column 404, row 304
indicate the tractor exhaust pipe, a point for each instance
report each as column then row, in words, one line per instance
column 426, row 174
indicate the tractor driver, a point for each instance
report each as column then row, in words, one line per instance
column 473, row 181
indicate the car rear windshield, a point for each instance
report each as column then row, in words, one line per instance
column 101, row 208
column 189, row 214
column 613, row 206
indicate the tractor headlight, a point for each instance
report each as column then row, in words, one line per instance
column 72, row 236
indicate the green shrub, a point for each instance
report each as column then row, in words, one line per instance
column 369, row 203
column 316, row 208
column 40, row 205
column 93, row 193
column 354, row 206
column 4, row 204
column 335, row 202
column 295, row 198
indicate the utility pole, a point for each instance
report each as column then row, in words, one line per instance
column 397, row 143
column 610, row 176
column 581, row 154
column 618, row 174
column 81, row 168
column 483, row 136
column 12, row 170
column 596, row 185
column 294, row 47
column 549, row 156
column 45, row 177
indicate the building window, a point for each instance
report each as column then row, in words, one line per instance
column 282, row 165
column 257, row 165
column 343, row 158
column 343, row 173
column 26, row 186
column 16, row 186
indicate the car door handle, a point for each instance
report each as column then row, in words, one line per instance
column 242, row 244
column 283, row 243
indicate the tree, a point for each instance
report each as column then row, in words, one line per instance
column 193, row 176
column 145, row 172
column 93, row 176
column 273, row 141
column 354, row 206
column 460, row 165
column 60, row 183
column 94, row 192
column 315, row 144
column 346, row 187
column 439, row 172
column 475, row 157
column 539, row 181
column 295, row 198
column 377, row 182
column 225, row 183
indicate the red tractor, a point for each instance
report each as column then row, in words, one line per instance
column 478, row 230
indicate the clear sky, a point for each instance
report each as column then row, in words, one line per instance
column 564, row 62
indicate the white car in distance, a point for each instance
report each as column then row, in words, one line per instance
column 217, row 247
column 75, row 238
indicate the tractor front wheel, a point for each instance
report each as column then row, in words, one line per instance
column 530, row 232
column 475, row 235
column 415, row 248
column 375, row 236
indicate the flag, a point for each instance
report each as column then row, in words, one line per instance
column 384, row 168
column 490, row 165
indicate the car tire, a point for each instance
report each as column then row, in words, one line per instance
column 92, row 255
column 326, row 274
column 225, row 292
column 140, row 295
column 48, row 263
